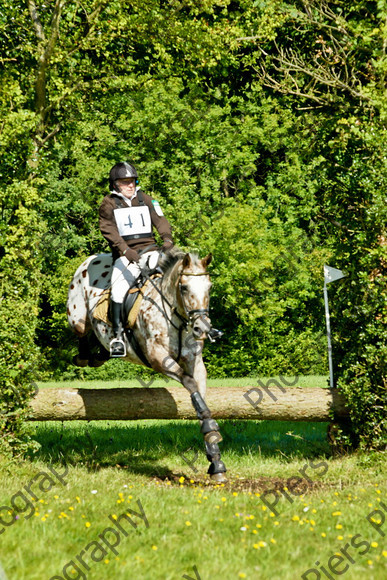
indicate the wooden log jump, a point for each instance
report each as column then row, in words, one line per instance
column 290, row 404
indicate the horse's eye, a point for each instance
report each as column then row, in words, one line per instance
column 184, row 288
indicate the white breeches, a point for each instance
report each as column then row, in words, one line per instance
column 125, row 273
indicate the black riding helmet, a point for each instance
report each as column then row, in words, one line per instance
column 121, row 171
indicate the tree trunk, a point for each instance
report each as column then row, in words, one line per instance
column 291, row 404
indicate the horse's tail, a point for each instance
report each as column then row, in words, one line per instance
column 76, row 300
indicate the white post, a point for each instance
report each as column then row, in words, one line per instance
column 328, row 323
column 330, row 275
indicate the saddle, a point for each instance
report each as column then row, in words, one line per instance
column 131, row 305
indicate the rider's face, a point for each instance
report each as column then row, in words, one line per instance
column 127, row 186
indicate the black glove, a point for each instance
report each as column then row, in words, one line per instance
column 167, row 245
column 132, row 255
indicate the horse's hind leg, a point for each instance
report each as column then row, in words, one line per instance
column 209, row 427
column 82, row 358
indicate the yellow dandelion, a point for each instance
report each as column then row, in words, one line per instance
column 78, row 500
column 374, row 544
column 187, row 523
column 323, row 535
column 295, row 518
column 234, row 493
column 369, row 562
column 336, row 513
column 181, row 479
column 224, row 499
column 154, row 547
column 276, row 523
column 339, row 527
column 255, row 532
column 71, row 509
column 273, row 541
column 378, row 491
column 340, row 538
column 88, row 524
column 262, row 544
column 384, row 553
column 312, row 523
column 107, row 561
column 242, row 575
column 114, row 516
column 56, row 496
column 258, row 525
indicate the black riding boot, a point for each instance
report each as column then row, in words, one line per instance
column 117, row 345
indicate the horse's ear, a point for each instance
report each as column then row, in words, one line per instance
column 207, row 260
column 186, row 261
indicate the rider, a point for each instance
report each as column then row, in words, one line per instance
column 126, row 219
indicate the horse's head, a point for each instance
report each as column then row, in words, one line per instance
column 194, row 286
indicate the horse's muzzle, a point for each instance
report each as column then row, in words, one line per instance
column 201, row 326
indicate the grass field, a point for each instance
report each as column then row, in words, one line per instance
column 183, row 526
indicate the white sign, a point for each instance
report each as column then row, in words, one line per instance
column 133, row 221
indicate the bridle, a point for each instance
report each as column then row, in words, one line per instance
column 195, row 313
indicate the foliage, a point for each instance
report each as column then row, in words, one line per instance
column 18, row 319
column 259, row 126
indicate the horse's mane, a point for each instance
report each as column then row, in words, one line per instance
column 171, row 257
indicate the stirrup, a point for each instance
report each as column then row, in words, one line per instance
column 117, row 348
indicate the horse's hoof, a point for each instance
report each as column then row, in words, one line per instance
column 96, row 362
column 218, row 478
column 80, row 362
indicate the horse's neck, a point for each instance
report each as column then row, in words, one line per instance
column 169, row 284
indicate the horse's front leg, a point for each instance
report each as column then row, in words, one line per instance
column 186, row 375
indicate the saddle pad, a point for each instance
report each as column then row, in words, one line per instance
column 101, row 311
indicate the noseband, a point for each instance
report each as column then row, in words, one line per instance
column 192, row 315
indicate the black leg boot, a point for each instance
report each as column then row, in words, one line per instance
column 117, row 345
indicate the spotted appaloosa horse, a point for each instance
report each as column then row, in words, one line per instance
column 170, row 328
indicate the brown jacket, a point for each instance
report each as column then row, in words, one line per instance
column 130, row 248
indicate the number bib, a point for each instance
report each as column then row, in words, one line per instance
column 133, row 222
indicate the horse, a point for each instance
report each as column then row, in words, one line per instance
column 168, row 334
